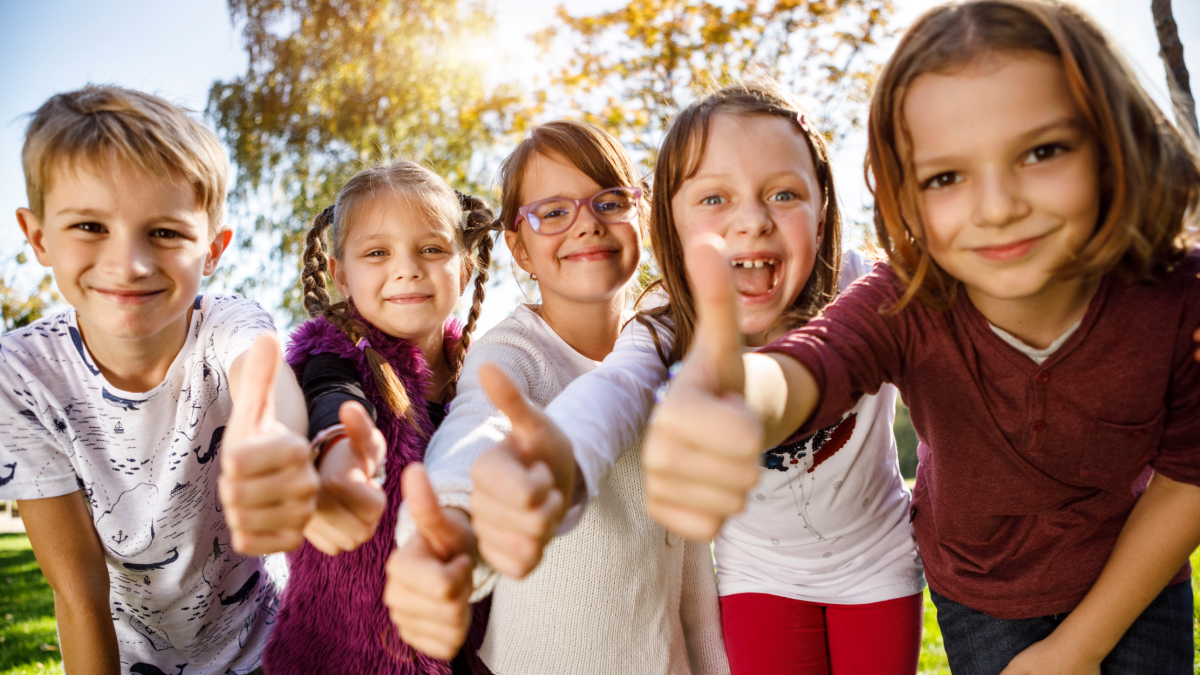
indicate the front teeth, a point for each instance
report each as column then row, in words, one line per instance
column 747, row 264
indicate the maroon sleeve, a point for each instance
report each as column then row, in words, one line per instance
column 1179, row 450
column 853, row 347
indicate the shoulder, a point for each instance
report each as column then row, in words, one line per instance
column 42, row 347
column 231, row 315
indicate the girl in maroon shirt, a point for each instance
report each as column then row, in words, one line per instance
column 1037, row 314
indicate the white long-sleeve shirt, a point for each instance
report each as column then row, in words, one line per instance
column 831, row 526
column 618, row 594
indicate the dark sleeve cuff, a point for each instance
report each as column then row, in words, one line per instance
column 329, row 381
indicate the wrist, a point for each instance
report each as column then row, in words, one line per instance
column 324, row 440
column 1072, row 640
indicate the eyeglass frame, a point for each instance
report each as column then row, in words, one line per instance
column 523, row 212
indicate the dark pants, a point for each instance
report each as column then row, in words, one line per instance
column 1158, row 643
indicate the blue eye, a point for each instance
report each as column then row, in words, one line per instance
column 712, row 200
column 783, row 196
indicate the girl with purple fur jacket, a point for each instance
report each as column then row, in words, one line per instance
column 402, row 253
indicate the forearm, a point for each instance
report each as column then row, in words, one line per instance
column 781, row 392
column 1160, row 534
column 86, row 635
column 72, row 560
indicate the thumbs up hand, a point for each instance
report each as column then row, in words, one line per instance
column 520, row 483
column 429, row 578
column 701, row 453
column 267, row 484
column 349, row 502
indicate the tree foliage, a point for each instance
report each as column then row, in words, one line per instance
column 19, row 308
column 632, row 68
column 335, row 85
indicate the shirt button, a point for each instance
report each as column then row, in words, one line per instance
column 1039, row 426
column 1043, row 377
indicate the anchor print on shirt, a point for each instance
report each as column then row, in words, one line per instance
column 804, row 456
column 134, row 510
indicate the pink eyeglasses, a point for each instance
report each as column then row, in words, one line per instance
column 558, row 214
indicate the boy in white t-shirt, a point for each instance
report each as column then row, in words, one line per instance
column 113, row 412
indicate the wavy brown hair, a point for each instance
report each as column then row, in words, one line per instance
column 441, row 206
column 1150, row 182
column 679, row 159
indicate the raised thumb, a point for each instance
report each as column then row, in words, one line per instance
column 427, row 514
column 526, row 420
column 254, row 387
column 717, row 340
column 365, row 440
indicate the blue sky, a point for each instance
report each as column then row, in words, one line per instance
column 177, row 49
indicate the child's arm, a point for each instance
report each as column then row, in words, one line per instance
column 71, row 558
column 429, row 579
column 268, row 485
column 1162, row 531
column 702, row 449
column 700, row 611
column 349, row 501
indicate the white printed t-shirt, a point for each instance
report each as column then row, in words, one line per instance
column 183, row 602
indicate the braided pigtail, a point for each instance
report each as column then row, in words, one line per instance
column 386, row 381
column 316, row 264
column 478, row 242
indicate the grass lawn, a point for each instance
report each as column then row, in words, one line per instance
column 28, row 645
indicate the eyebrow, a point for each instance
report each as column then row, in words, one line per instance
column 1064, row 123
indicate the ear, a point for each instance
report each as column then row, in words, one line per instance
column 520, row 255
column 32, row 227
column 215, row 249
column 339, row 277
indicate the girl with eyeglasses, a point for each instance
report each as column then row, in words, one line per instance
column 617, row 593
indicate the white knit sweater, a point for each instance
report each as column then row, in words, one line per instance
column 617, row 594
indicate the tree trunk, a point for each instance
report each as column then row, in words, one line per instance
column 1171, row 51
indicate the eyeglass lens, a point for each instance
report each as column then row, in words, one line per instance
column 610, row 206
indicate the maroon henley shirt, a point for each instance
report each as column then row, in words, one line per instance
column 1027, row 473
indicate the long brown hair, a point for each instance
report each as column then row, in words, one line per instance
column 440, row 205
column 680, row 158
column 1150, row 182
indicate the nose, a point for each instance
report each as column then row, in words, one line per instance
column 406, row 265
column 586, row 223
column 753, row 220
column 998, row 199
column 128, row 259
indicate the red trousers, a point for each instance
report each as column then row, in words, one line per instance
column 769, row 635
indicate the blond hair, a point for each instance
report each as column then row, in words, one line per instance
column 428, row 194
column 1150, row 182
column 101, row 124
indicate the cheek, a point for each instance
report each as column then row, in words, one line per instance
column 941, row 214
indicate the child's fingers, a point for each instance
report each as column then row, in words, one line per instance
column 689, row 463
column 289, row 482
column 264, row 543
column 700, row 496
column 501, row 510
column 331, row 537
column 254, row 402
column 265, row 455
column 688, row 523
column 285, row 515
column 512, row 554
column 499, row 472
column 720, row 426
column 365, row 439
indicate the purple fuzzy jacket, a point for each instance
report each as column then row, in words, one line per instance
column 332, row 618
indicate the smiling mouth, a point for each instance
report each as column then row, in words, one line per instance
column 593, row 253
column 122, row 297
column 1006, row 252
column 756, row 276
column 408, row 298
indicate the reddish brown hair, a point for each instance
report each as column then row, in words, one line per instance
column 680, row 158
column 1150, row 182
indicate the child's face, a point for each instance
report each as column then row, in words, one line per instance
column 1009, row 175
column 757, row 188
column 590, row 262
column 403, row 273
column 128, row 250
